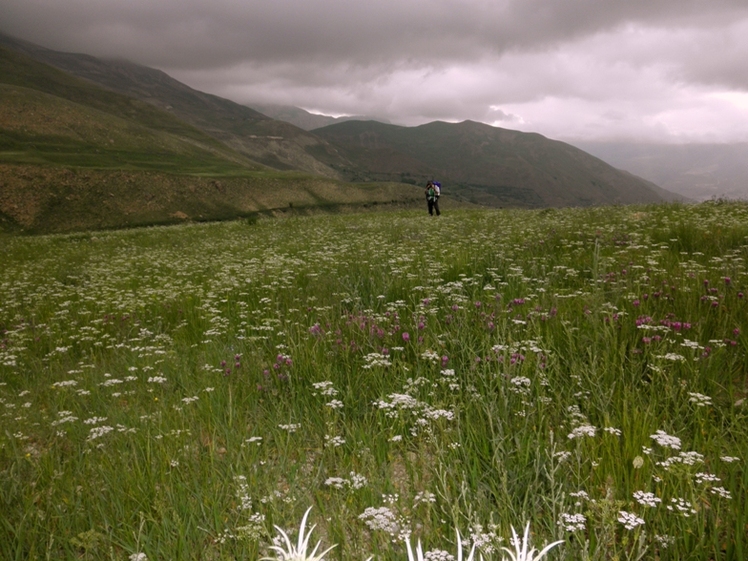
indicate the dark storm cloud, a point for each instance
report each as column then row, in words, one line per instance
column 200, row 34
column 648, row 62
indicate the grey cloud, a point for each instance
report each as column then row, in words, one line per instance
column 197, row 34
column 552, row 64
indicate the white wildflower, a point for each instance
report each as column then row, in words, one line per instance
column 646, row 498
column 629, row 520
column 584, row 430
column 721, row 491
column 664, row 439
column 699, row 399
column 572, row 522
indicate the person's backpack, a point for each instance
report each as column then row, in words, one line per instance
column 437, row 189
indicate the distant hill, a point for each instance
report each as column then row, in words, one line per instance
column 277, row 144
column 696, row 171
column 49, row 117
column 489, row 165
column 303, row 118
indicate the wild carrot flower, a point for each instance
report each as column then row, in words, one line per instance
column 572, row 522
column 629, row 520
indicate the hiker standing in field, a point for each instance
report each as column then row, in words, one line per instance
column 432, row 197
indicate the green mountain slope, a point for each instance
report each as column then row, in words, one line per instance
column 46, row 199
column 39, row 128
column 49, row 116
column 276, row 144
column 490, row 165
column 74, row 156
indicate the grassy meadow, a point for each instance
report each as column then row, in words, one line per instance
column 176, row 392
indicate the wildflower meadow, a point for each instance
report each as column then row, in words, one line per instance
column 189, row 392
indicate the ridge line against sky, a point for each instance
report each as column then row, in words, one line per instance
column 641, row 70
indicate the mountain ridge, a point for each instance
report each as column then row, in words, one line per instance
column 267, row 141
column 303, row 118
column 505, row 166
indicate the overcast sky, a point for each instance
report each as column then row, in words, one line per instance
column 662, row 70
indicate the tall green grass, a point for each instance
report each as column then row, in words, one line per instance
column 178, row 391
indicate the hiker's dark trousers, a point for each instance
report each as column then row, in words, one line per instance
column 434, row 206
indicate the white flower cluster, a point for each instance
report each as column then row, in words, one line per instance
column 584, row 430
column 430, row 355
column 699, row 399
column 572, row 522
column 98, row 432
column 64, row 417
column 665, row 541
column 721, row 491
column 65, row 384
column 333, row 441
column 681, row 506
column 438, row 555
column 325, row 388
column 686, row 458
column 562, row 456
column 675, row 357
column 356, row 481
column 111, row 382
column 336, row 482
column 252, row 530
column 521, row 385
column 385, row 520
column 664, row 439
column 581, row 495
column 629, row 520
column 434, row 414
column 242, row 493
column 646, row 498
column 376, row 359
column 486, row 542
column 334, row 404
column 254, row 526
column 398, row 402
column 706, row 477
column 424, row 497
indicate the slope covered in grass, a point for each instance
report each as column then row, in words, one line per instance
column 274, row 143
column 492, row 165
column 41, row 128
